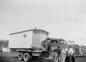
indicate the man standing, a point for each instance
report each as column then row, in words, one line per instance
column 71, row 51
column 63, row 54
column 71, row 55
column 57, row 54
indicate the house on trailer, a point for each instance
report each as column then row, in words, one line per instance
column 28, row 38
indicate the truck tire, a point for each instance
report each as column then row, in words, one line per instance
column 20, row 56
column 26, row 57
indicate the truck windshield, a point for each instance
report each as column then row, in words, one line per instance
column 54, row 41
column 61, row 42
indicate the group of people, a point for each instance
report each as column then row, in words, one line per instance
column 64, row 55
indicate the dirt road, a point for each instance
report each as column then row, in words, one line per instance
column 13, row 59
column 4, row 57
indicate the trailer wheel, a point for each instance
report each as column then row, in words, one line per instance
column 20, row 56
column 26, row 57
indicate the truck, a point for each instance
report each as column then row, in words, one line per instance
column 54, row 46
column 28, row 43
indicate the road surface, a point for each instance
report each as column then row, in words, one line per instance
column 9, row 58
column 13, row 59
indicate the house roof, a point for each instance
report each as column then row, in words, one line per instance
column 29, row 30
column 56, row 39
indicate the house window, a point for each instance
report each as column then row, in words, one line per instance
column 24, row 35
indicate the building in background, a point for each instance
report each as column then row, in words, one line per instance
column 4, row 45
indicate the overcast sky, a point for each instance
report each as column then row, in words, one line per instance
column 62, row 18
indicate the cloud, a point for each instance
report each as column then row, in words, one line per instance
column 62, row 18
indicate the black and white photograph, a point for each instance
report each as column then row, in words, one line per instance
column 42, row 30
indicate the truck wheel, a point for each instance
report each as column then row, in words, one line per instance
column 20, row 56
column 26, row 57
